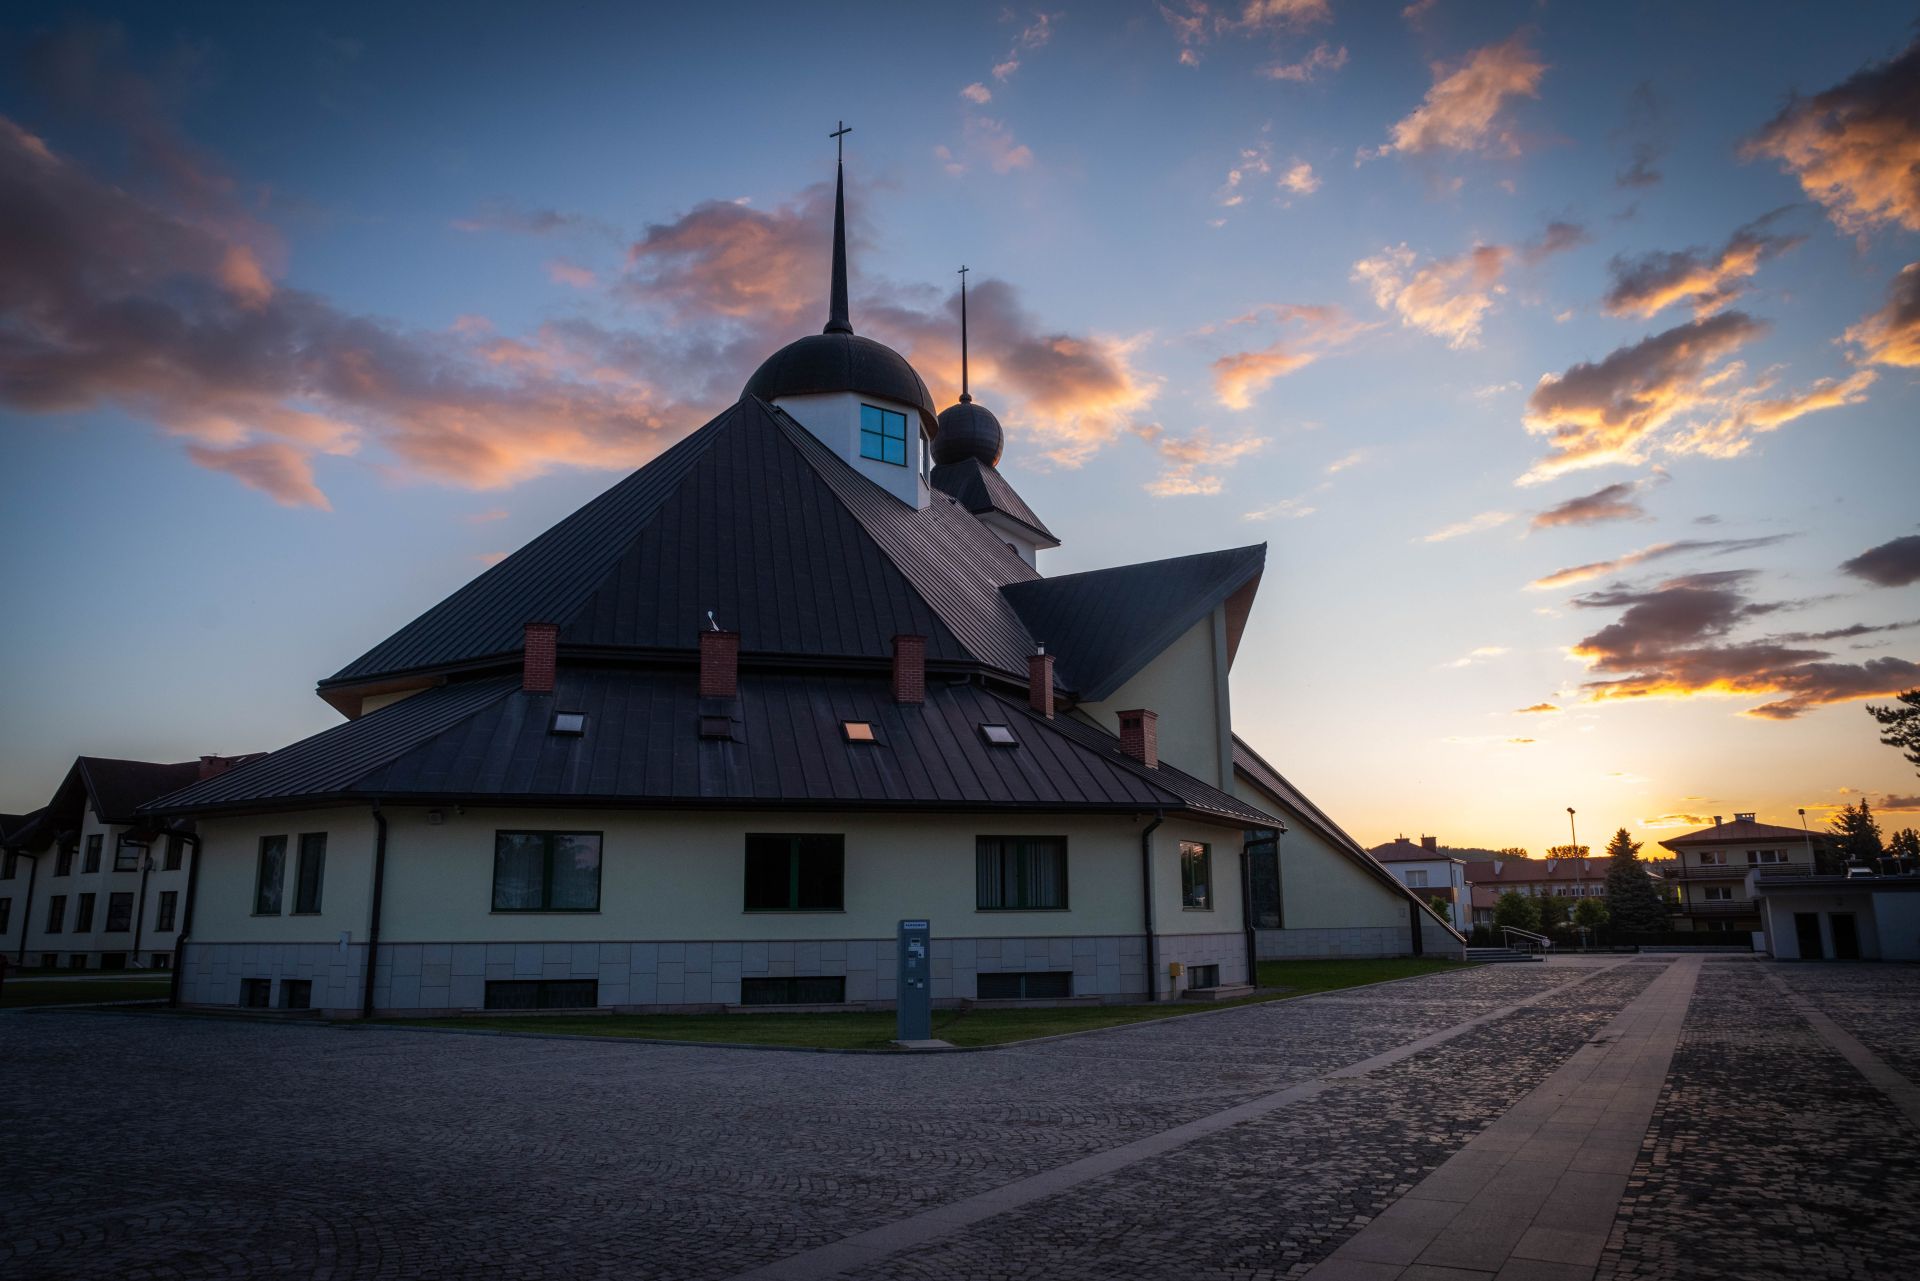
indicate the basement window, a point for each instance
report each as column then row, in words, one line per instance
column 571, row 723
column 999, row 735
column 1039, row 985
column 858, row 731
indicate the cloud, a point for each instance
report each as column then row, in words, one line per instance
column 1902, row 804
column 273, row 467
column 1300, row 179
column 1479, row 655
column 1749, row 412
column 1856, row 147
column 562, row 272
column 995, row 143
column 1323, row 58
column 500, row 216
column 1465, row 108
column 487, row 516
column 1891, row 564
column 1658, row 551
column 1602, row 412
column 1197, row 23
column 1450, row 297
column 1352, row 458
column 1891, row 336
column 1675, row 820
column 1647, row 131
column 1537, row 708
column 977, row 94
column 1472, row 525
column 1313, row 330
column 1285, row 509
column 1613, row 502
column 1415, row 12
column 1255, row 161
column 1195, row 460
column 1672, row 641
column 1708, row 280
column 1034, row 35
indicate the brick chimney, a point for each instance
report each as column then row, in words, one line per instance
column 539, row 657
column 1430, row 843
column 909, row 669
column 1140, row 737
column 211, row 766
column 1716, row 820
column 1040, row 682
column 719, row 664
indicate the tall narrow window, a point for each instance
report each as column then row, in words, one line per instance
column 92, row 863
column 804, row 872
column 1020, row 873
column 56, row 914
column 6, row 914
column 83, row 914
column 883, row 435
column 1196, row 875
column 272, row 874
column 169, row 908
column 126, row 855
column 174, row 844
column 120, row 912
column 313, row 867
column 546, row 872
column 63, row 862
column 9, row 866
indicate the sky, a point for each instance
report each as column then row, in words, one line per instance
column 1564, row 356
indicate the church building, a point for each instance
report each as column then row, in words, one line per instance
column 704, row 742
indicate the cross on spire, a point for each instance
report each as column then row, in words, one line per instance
column 839, row 142
column 838, row 320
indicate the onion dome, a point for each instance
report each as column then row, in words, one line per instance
column 837, row 359
column 968, row 431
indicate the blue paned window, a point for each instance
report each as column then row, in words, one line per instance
column 883, row 435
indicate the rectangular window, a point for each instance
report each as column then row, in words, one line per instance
column 1713, row 858
column 1719, row 893
column 256, row 994
column 296, row 994
column 1020, row 873
column 272, row 874
column 108, row 961
column 63, row 862
column 56, row 914
column 1416, row 877
column 546, row 872
column 9, row 865
column 126, row 855
column 1196, row 875
column 1037, row 986
column 1757, row 857
column 824, row 989
column 92, row 863
column 1203, row 976
column 78, row 961
column 119, row 912
column 313, row 866
column 6, row 914
column 803, row 872
column 169, row 907
column 174, row 846
column 163, row 960
column 883, row 435
column 83, row 914
column 539, row 994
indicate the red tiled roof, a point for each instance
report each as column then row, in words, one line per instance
column 1531, row 870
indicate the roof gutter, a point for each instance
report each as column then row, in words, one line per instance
column 1146, row 896
column 373, row 922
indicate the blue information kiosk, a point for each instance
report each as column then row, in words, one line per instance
column 915, row 1021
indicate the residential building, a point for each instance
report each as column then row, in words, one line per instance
column 1563, row 878
column 88, row 883
column 706, row 741
column 1429, row 872
column 1716, row 867
column 1818, row 917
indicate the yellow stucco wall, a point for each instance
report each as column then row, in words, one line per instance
column 1321, row 887
column 1181, row 685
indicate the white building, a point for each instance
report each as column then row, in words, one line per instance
column 1434, row 876
column 704, row 742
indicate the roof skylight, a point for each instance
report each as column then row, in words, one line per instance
column 858, row 731
column 999, row 735
column 571, row 723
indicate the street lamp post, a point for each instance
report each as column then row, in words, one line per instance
column 1573, row 850
column 1811, row 869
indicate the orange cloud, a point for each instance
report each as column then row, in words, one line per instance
column 977, row 93
column 1239, row 376
column 1749, row 412
column 562, row 272
column 1464, row 110
column 1196, row 23
column 1658, row 551
column 1856, row 147
column 1708, row 280
column 1472, row 525
column 1324, row 58
column 273, row 467
column 1450, row 297
column 1611, row 502
column 1196, row 460
column 1891, row 336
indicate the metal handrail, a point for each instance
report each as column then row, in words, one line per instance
column 1535, row 942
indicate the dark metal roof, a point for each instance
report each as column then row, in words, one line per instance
column 490, row 741
column 833, row 362
column 1740, row 832
column 1103, row 626
column 979, row 488
column 969, row 431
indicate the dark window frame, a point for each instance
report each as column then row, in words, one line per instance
column 546, row 870
column 1021, row 981
column 174, row 855
column 765, row 985
column 167, row 912
column 119, row 908
column 6, row 914
column 63, row 860
column 796, row 843
column 126, row 853
column 279, row 883
column 83, row 913
column 308, row 855
column 56, row 914
column 1188, row 882
column 547, row 994
column 882, row 435
column 96, row 843
column 1002, row 851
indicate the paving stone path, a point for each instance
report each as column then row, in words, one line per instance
column 1246, row 1143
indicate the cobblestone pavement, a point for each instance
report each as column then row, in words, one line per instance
column 1769, row 1156
column 141, row 1146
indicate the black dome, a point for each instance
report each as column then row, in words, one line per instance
column 842, row 362
column 968, row 431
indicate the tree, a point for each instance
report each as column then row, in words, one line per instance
column 1857, row 833
column 1554, row 913
column 1441, row 904
column 1591, row 913
column 1510, row 851
column 1516, row 909
column 1903, row 724
column 1904, row 844
column 1633, row 903
column 1567, row 851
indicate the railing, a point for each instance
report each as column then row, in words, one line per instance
column 1529, row 941
column 1735, row 871
column 1719, row 908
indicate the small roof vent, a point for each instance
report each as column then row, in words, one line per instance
column 571, row 724
column 1743, row 818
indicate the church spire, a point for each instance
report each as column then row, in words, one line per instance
column 838, row 321
column 965, row 399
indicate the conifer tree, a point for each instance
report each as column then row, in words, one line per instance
column 1858, row 834
column 1903, row 724
column 1634, row 905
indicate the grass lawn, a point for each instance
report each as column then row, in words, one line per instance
column 19, row 991
column 864, row 1031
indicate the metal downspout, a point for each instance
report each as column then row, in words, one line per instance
column 373, row 922
column 1146, row 887
column 186, row 921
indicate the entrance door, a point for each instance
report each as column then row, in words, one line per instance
column 1846, row 937
column 1806, row 928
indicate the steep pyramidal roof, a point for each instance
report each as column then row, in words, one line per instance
column 981, row 488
